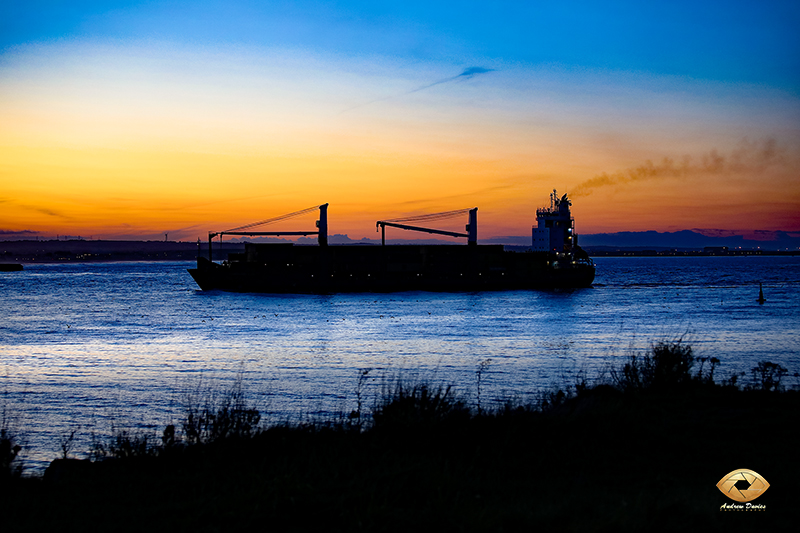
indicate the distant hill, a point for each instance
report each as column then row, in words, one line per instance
column 687, row 240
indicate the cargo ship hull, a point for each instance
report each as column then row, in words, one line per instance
column 286, row 268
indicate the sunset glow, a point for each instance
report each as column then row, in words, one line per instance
column 148, row 118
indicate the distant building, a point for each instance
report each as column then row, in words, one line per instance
column 714, row 250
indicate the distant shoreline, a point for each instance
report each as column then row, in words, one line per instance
column 91, row 251
column 686, row 253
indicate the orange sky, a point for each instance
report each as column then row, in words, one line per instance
column 138, row 140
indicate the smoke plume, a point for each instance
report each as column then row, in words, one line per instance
column 749, row 157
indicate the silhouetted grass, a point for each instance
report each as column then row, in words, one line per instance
column 405, row 406
column 641, row 451
column 10, row 466
column 9, row 449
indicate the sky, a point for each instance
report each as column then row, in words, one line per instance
column 132, row 120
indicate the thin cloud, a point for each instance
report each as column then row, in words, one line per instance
column 18, row 232
column 45, row 211
column 471, row 194
column 38, row 209
column 215, row 202
column 468, row 73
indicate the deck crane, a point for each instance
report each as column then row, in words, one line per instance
column 322, row 227
column 471, row 228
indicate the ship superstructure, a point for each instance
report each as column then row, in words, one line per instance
column 555, row 230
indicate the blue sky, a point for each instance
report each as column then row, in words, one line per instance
column 735, row 41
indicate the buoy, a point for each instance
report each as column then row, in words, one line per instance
column 761, row 298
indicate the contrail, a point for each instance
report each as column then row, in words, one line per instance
column 467, row 74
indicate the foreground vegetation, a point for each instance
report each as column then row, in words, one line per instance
column 642, row 449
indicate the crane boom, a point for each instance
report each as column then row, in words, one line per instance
column 471, row 235
column 322, row 227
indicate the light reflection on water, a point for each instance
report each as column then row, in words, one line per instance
column 85, row 345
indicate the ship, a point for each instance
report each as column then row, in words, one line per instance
column 553, row 261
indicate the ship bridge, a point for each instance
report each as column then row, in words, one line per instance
column 555, row 229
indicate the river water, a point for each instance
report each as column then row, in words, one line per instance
column 86, row 347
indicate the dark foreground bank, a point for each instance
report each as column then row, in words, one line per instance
column 642, row 451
